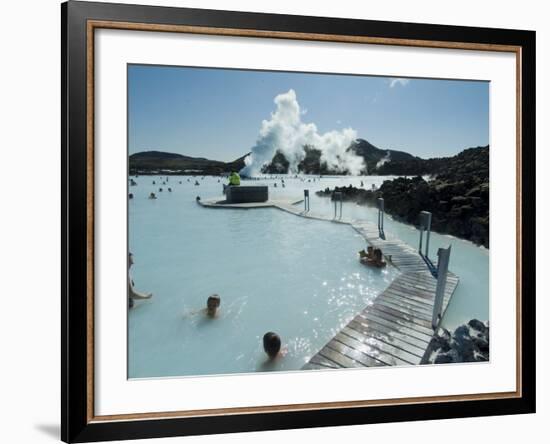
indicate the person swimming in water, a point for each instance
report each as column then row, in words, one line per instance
column 211, row 311
column 152, row 196
column 272, row 345
column 365, row 256
column 372, row 257
column 212, row 304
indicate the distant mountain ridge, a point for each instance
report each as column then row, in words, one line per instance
column 378, row 162
column 373, row 154
column 154, row 162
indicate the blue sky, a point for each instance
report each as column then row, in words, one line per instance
column 217, row 113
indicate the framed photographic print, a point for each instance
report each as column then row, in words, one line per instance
column 276, row 221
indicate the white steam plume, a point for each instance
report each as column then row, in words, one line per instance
column 285, row 132
column 384, row 159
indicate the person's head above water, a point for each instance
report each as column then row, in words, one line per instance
column 272, row 344
column 212, row 304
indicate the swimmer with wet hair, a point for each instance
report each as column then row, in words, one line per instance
column 212, row 304
column 272, row 344
column 152, row 196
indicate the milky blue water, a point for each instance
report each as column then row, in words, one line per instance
column 273, row 271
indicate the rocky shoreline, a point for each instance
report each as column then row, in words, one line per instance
column 468, row 343
column 457, row 196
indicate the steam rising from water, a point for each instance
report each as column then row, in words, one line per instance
column 384, row 159
column 285, row 132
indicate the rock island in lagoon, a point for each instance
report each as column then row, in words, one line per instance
column 280, row 267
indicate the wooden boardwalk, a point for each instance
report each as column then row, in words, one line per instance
column 395, row 328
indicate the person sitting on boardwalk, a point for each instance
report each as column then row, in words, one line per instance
column 133, row 294
column 234, row 179
column 272, row 345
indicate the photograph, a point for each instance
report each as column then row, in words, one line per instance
column 284, row 221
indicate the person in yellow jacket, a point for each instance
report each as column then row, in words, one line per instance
column 234, row 179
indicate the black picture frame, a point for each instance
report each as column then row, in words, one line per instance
column 76, row 326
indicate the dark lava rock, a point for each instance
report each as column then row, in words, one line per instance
column 453, row 211
column 478, row 325
column 457, row 194
column 468, row 343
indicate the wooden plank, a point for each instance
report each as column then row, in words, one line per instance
column 402, row 302
column 338, row 356
column 413, row 314
column 400, row 321
column 397, row 325
column 370, row 346
column 363, row 353
column 419, row 323
column 404, row 288
column 375, row 338
column 392, row 335
column 427, row 281
column 408, row 299
column 323, row 363
column 408, row 290
column 365, row 350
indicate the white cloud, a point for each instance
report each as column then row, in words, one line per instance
column 398, row 81
column 285, row 132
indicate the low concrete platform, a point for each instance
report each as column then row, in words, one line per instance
column 222, row 202
column 246, row 194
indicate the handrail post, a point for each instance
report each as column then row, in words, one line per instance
column 380, row 205
column 425, row 225
column 443, row 257
column 428, row 229
column 306, row 201
column 337, row 198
